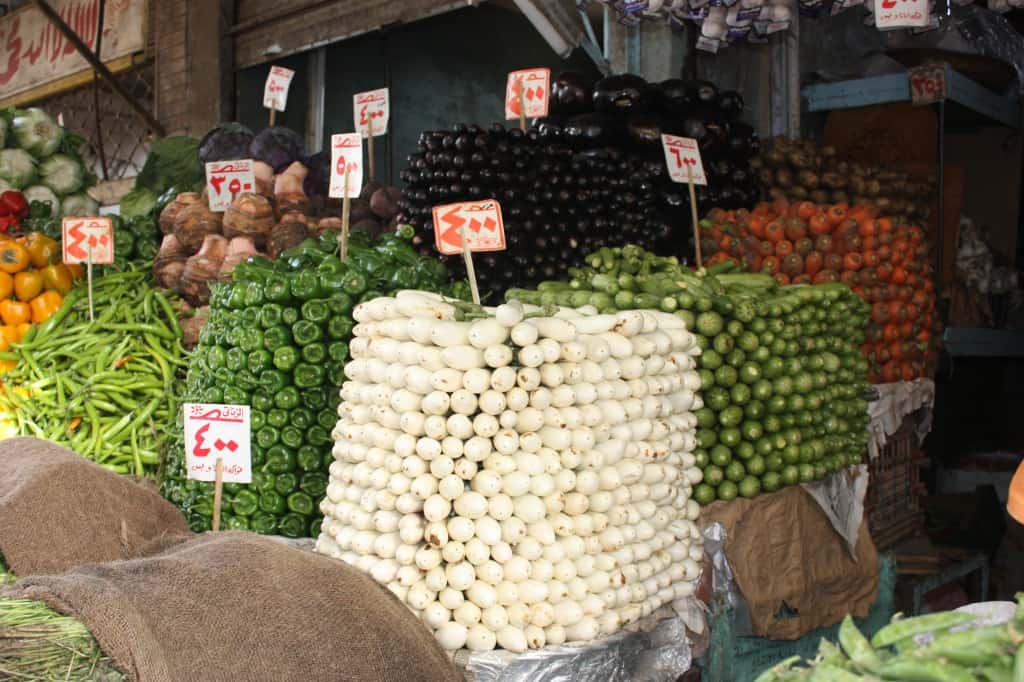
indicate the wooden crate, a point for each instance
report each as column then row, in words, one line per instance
column 893, row 501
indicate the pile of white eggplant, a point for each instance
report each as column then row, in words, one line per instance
column 517, row 479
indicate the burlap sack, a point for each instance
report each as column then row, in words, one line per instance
column 237, row 606
column 788, row 559
column 58, row 511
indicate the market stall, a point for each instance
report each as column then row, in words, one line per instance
column 611, row 390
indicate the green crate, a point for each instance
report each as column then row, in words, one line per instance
column 741, row 659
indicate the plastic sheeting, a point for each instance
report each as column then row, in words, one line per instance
column 841, row 497
column 661, row 655
column 897, row 400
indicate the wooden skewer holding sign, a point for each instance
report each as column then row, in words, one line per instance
column 273, row 116
column 88, row 276
column 467, row 255
column 522, row 105
column 693, row 215
column 346, row 210
column 218, row 488
column 369, row 143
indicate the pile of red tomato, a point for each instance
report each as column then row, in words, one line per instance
column 884, row 261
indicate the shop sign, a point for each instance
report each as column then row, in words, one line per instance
column 225, row 180
column 536, row 92
column 371, row 110
column 901, row 14
column 87, row 240
column 346, row 157
column 33, row 52
column 682, row 156
column 480, row 221
column 275, row 91
column 218, row 432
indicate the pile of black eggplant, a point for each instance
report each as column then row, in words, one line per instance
column 591, row 174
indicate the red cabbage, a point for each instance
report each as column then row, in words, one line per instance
column 277, row 147
column 226, row 142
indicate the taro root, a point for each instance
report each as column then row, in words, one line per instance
column 239, row 249
column 169, row 263
column 203, row 267
column 368, row 191
column 264, row 178
column 291, row 231
column 194, row 223
column 250, row 215
column 192, row 325
column 174, row 207
column 331, row 224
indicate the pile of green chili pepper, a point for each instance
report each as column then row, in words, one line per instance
column 992, row 653
column 277, row 340
column 105, row 389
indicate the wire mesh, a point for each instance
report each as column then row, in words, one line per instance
column 118, row 140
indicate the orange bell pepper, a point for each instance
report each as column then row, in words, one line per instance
column 6, row 285
column 45, row 305
column 14, row 257
column 42, row 250
column 23, row 329
column 28, row 284
column 10, row 334
column 15, row 312
column 77, row 271
column 56, row 277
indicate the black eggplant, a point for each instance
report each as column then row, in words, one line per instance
column 643, row 131
column 730, row 103
column 588, row 131
column 570, row 94
column 623, row 94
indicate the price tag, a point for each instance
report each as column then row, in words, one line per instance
column 927, row 84
column 275, row 92
column 215, row 432
column 346, row 154
column 484, row 228
column 227, row 179
column 371, row 106
column 536, row 93
column 682, row 155
column 80, row 236
column 901, row 14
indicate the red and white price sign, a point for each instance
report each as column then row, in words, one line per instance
column 227, row 179
column 927, row 84
column 682, row 156
column 84, row 236
column 901, row 14
column 346, row 154
column 275, row 91
column 484, row 228
column 215, row 432
column 371, row 106
column 536, row 92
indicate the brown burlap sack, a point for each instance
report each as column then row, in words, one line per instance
column 237, row 606
column 58, row 511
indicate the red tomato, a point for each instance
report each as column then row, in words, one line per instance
column 853, row 261
column 774, row 231
column 813, row 263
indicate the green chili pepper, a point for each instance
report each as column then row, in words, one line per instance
column 280, row 460
column 306, row 332
column 286, row 358
column 272, row 503
column 287, row 398
column 276, row 337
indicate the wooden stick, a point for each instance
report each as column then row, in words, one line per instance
column 273, row 115
column 693, row 214
column 346, row 209
column 467, row 255
column 218, row 488
column 369, row 143
column 100, row 68
column 522, row 106
column 88, row 275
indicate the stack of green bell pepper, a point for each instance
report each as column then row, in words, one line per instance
column 277, row 340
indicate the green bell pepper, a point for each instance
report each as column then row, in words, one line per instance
column 292, row 437
column 254, row 295
column 314, row 353
column 276, row 337
column 244, row 378
column 305, row 285
column 234, row 359
column 318, row 435
column 286, row 358
column 289, row 316
column 314, row 398
column 236, row 297
column 308, row 458
column 316, row 310
column 302, row 418
column 288, row 398
column 272, row 503
column 270, row 315
column 301, row 503
column 263, row 523
column 233, row 395
column 280, row 460
column 307, row 376
column 268, row 436
column 327, row 419
column 292, row 525
column 340, row 304
column 262, row 401
column 232, row 522
column 354, row 283
column 273, row 380
column 338, row 351
column 306, row 332
column 259, row 360
column 286, row 483
column 216, row 357
column 257, row 419
column 262, row 481
column 339, row 327
column 314, row 484
column 250, row 340
column 277, row 289
column 278, row 418
column 245, row 503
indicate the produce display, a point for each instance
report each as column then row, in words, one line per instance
column 885, row 261
column 276, row 339
column 941, row 646
column 802, row 171
column 781, row 373
column 518, row 476
column 108, row 389
column 40, row 159
column 590, row 175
